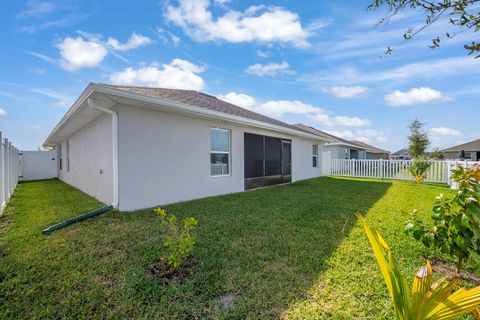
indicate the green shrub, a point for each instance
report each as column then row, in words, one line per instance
column 179, row 241
column 456, row 219
column 419, row 169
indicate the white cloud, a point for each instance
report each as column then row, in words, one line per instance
column 35, row 9
column 347, row 92
column 264, row 54
column 136, row 40
column 431, row 69
column 222, row 2
column 2, row 112
column 445, row 132
column 345, row 134
column 78, row 53
column 413, row 96
column 266, row 24
column 37, row 70
column 239, row 99
column 62, row 100
column 369, row 136
column 279, row 108
column 89, row 50
column 10, row 96
column 166, row 36
column 443, row 137
column 178, row 74
column 270, row 69
column 41, row 57
column 345, row 121
column 350, row 121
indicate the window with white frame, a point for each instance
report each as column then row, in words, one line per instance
column 315, row 155
column 67, row 147
column 60, row 159
column 219, row 152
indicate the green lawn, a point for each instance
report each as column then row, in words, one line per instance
column 293, row 251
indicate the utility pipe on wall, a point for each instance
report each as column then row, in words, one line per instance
column 91, row 104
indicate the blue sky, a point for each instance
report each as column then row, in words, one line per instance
column 315, row 62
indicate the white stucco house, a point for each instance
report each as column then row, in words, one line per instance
column 139, row 147
column 471, row 151
column 401, row 154
column 344, row 149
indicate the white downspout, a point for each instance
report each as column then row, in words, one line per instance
column 91, row 104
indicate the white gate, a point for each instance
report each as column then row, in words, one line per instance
column 326, row 163
column 38, row 165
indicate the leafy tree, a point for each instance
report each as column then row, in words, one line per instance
column 418, row 139
column 179, row 241
column 456, row 220
column 436, row 154
column 462, row 15
column 419, row 169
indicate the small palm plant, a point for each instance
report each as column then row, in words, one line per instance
column 428, row 300
column 419, row 169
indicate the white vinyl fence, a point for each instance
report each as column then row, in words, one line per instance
column 9, row 170
column 439, row 172
column 38, row 165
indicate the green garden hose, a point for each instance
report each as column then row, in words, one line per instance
column 76, row 219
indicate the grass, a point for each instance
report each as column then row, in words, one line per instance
column 293, row 252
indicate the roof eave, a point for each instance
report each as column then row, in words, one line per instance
column 159, row 102
column 346, row 144
column 74, row 108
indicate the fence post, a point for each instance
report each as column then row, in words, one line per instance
column 10, row 169
column 2, row 175
column 447, row 172
column 382, row 169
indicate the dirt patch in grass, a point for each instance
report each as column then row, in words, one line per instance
column 227, row 301
column 448, row 269
column 165, row 273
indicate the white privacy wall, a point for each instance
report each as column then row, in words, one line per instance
column 165, row 158
column 338, row 152
column 9, row 171
column 38, row 165
column 90, row 159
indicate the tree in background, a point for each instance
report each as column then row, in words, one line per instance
column 436, row 154
column 463, row 15
column 418, row 139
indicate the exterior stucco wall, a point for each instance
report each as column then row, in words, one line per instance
column 338, row 152
column 90, row 159
column 450, row 155
column 165, row 158
column 453, row 155
column 377, row 156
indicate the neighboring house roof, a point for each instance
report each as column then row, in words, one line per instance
column 400, row 152
column 334, row 140
column 185, row 101
column 469, row 146
column 370, row 148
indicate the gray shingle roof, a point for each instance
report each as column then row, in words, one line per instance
column 370, row 148
column 203, row 100
column 469, row 146
column 400, row 152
